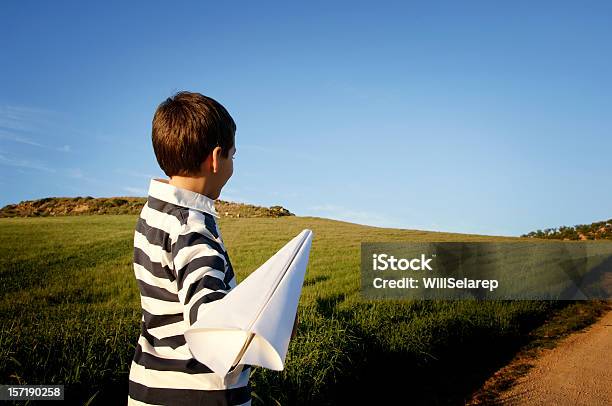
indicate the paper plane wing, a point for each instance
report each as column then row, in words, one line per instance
column 252, row 324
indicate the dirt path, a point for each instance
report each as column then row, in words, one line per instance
column 578, row 371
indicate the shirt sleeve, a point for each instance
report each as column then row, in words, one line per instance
column 200, row 269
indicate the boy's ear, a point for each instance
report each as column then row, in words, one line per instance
column 215, row 155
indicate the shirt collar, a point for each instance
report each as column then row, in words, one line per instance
column 163, row 190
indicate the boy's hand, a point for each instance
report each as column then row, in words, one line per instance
column 295, row 324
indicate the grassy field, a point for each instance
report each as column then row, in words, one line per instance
column 70, row 314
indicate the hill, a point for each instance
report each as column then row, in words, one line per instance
column 70, row 311
column 601, row 230
column 73, row 206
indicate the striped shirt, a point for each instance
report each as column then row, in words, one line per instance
column 180, row 264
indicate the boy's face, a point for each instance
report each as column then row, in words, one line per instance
column 221, row 169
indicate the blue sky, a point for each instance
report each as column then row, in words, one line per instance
column 455, row 116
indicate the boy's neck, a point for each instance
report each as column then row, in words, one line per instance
column 195, row 184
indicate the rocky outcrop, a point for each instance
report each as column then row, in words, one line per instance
column 74, row 206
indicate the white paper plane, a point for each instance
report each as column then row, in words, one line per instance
column 252, row 324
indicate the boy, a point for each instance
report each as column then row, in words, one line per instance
column 180, row 260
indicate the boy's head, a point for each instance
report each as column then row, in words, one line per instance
column 193, row 137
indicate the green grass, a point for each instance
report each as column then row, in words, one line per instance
column 70, row 314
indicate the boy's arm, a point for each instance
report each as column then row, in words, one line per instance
column 199, row 267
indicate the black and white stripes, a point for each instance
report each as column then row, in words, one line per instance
column 180, row 264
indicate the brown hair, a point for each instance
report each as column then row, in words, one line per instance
column 186, row 128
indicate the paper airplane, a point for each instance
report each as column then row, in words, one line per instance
column 252, row 324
